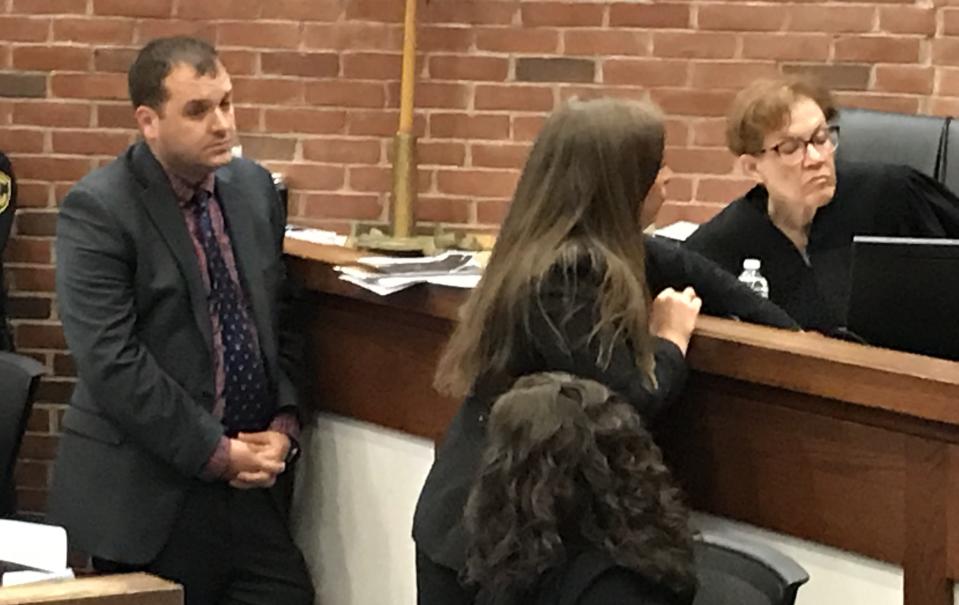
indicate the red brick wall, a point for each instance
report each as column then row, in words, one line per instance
column 317, row 87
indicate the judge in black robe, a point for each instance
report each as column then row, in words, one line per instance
column 813, row 286
column 801, row 218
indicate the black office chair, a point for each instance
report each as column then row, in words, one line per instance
column 949, row 166
column 734, row 571
column 19, row 378
column 866, row 135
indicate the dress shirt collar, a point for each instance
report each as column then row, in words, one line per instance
column 184, row 190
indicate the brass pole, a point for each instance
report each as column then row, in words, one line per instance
column 404, row 143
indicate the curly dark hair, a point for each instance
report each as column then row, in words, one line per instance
column 570, row 463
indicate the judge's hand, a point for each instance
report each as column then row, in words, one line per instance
column 268, row 445
column 673, row 316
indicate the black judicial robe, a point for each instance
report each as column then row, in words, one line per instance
column 870, row 199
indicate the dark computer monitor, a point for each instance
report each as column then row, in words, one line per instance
column 905, row 294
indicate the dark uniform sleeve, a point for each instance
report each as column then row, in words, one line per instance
column 672, row 266
column 8, row 205
column 561, row 328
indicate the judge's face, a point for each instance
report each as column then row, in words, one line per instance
column 194, row 131
column 797, row 164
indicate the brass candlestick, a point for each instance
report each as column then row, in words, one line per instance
column 403, row 204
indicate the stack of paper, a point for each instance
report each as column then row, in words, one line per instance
column 31, row 552
column 385, row 275
column 678, row 231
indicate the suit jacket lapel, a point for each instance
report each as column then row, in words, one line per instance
column 240, row 219
column 162, row 207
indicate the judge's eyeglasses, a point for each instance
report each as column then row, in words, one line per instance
column 792, row 151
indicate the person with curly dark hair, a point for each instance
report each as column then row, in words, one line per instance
column 573, row 503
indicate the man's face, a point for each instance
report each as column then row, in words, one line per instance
column 809, row 183
column 195, row 129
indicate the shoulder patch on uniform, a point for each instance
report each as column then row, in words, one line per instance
column 5, row 191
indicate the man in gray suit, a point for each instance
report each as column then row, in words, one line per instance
column 169, row 279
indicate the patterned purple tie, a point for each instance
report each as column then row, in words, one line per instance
column 248, row 405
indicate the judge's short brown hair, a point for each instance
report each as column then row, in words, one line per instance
column 764, row 106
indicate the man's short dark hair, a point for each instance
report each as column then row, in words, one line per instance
column 157, row 59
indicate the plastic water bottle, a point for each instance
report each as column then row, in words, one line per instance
column 753, row 278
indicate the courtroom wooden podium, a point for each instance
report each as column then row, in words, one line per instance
column 850, row 446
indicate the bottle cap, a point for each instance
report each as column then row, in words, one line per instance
column 751, row 264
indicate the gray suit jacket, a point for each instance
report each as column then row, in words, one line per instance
column 139, row 428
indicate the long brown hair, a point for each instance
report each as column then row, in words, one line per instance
column 568, row 466
column 578, row 197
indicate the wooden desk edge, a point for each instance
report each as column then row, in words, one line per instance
column 90, row 588
column 902, row 383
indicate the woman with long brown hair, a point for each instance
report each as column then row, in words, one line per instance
column 573, row 504
column 573, row 286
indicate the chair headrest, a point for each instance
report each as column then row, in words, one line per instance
column 892, row 138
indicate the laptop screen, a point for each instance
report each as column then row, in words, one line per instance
column 905, row 294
